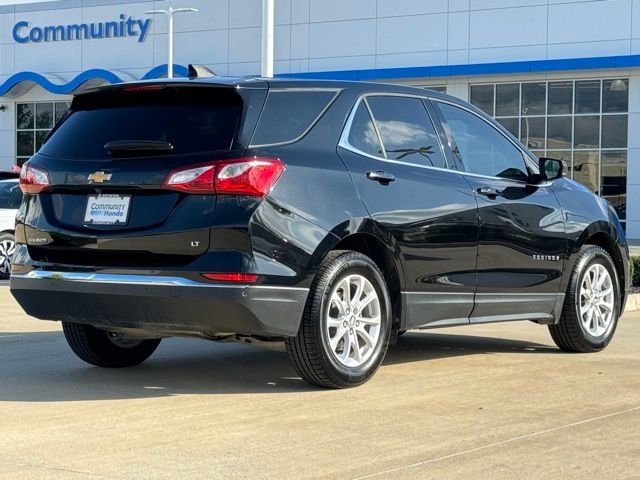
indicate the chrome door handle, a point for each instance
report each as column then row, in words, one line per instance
column 489, row 192
column 382, row 177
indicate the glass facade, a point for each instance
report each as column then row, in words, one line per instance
column 583, row 122
column 34, row 121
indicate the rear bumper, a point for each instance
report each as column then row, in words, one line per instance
column 162, row 304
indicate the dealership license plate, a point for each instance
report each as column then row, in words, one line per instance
column 107, row 210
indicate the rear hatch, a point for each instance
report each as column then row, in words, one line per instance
column 107, row 162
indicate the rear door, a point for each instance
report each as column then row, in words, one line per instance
column 107, row 161
column 428, row 211
column 522, row 237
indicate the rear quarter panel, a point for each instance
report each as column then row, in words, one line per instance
column 313, row 205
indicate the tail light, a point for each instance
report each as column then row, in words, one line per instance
column 193, row 180
column 33, row 179
column 254, row 177
column 231, row 277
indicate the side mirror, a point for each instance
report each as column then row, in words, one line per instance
column 551, row 168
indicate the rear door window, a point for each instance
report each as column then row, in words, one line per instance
column 192, row 120
column 406, row 130
column 362, row 134
column 289, row 114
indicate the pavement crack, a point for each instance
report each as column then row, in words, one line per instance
column 497, row 444
column 59, row 469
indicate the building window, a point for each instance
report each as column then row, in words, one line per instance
column 34, row 121
column 583, row 122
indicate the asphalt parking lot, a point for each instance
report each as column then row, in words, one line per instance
column 497, row 401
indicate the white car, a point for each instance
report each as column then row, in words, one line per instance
column 10, row 198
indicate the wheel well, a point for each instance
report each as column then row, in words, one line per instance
column 378, row 252
column 602, row 240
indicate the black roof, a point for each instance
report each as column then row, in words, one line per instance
column 350, row 85
column 265, row 83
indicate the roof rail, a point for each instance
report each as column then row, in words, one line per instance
column 200, row 71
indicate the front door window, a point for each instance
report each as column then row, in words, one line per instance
column 479, row 147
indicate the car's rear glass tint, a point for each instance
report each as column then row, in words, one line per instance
column 191, row 119
column 406, row 130
column 287, row 115
column 363, row 134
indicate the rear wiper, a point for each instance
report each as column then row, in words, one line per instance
column 123, row 146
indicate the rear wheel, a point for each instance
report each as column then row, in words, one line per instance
column 7, row 249
column 107, row 349
column 592, row 304
column 346, row 324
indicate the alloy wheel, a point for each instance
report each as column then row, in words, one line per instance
column 597, row 300
column 121, row 341
column 7, row 249
column 353, row 321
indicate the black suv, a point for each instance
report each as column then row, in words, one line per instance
column 329, row 215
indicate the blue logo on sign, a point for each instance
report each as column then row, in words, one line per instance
column 124, row 27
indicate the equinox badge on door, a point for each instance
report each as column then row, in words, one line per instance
column 552, row 258
column 99, row 177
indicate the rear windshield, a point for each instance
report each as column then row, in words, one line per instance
column 289, row 114
column 192, row 120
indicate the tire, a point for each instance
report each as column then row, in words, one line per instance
column 577, row 331
column 7, row 249
column 104, row 349
column 352, row 360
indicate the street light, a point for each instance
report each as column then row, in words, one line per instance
column 170, row 12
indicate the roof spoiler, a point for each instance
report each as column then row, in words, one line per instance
column 200, row 71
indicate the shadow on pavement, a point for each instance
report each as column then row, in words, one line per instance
column 39, row 367
column 418, row 346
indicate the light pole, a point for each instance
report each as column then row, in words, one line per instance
column 170, row 12
column 268, row 26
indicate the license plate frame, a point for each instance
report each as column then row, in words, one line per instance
column 115, row 210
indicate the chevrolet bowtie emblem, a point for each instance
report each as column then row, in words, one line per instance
column 99, row 177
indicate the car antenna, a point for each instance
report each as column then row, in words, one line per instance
column 200, row 71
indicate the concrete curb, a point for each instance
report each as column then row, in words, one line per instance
column 633, row 303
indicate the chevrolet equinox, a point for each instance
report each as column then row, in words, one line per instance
column 328, row 215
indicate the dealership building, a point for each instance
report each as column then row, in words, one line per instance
column 561, row 75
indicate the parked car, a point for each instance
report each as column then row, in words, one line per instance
column 8, row 174
column 329, row 215
column 10, row 198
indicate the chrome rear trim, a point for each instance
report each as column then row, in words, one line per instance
column 124, row 279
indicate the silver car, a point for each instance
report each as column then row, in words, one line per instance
column 10, row 198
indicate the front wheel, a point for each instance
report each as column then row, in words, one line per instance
column 346, row 325
column 107, row 349
column 592, row 304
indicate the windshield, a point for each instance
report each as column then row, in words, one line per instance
column 191, row 120
column 10, row 195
